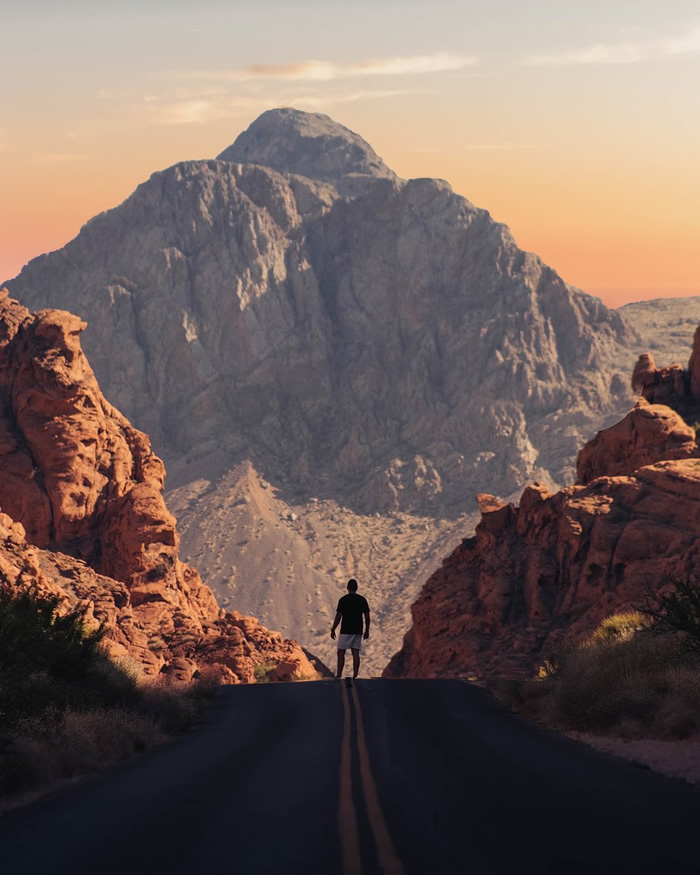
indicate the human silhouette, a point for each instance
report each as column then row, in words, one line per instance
column 352, row 609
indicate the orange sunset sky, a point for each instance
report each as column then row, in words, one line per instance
column 578, row 125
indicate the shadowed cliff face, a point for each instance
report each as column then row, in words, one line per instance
column 551, row 569
column 84, row 516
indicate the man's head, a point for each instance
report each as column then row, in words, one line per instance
column 352, row 585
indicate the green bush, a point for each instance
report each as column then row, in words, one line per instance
column 66, row 708
column 52, row 660
column 260, row 672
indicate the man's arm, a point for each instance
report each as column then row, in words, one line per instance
column 338, row 618
column 366, row 615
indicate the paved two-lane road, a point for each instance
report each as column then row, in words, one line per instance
column 379, row 776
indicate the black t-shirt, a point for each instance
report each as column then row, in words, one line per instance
column 352, row 606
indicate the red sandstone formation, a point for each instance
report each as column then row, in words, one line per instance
column 694, row 366
column 553, row 568
column 678, row 388
column 85, row 490
column 649, row 433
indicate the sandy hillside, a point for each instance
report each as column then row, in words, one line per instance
column 289, row 563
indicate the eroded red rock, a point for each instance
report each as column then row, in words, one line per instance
column 84, row 516
column 551, row 569
column 675, row 386
column 649, row 433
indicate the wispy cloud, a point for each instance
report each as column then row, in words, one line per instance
column 200, row 97
column 170, row 111
column 624, row 52
column 325, row 71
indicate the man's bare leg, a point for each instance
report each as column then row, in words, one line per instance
column 355, row 662
column 341, row 663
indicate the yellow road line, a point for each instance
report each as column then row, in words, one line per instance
column 347, row 819
column 388, row 858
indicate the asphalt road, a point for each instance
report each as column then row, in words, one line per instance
column 379, row 776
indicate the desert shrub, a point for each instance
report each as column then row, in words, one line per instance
column 52, row 660
column 66, row 709
column 618, row 627
column 627, row 678
column 260, row 672
column 676, row 609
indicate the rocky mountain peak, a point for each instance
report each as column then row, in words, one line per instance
column 308, row 144
column 367, row 346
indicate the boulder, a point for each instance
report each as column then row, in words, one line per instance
column 649, row 433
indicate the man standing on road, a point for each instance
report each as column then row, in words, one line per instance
column 352, row 608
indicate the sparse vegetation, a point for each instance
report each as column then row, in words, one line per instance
column 261, row 672
column 67, row 709
column 637, row 675
column 676, row 609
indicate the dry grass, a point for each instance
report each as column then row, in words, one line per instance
column 42, row 750
column 625, row 680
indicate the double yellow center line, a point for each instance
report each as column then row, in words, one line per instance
column 347, row 816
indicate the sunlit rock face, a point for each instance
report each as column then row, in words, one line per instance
column 83, row 514
column 649, row 433
column 295, row 309
column 377, row 338
column 552, row 568
column 309, row 145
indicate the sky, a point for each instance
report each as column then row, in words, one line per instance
column 576, row 124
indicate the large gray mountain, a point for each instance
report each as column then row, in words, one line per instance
column 353, row 338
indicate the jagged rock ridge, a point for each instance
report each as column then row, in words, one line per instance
column 84, row 517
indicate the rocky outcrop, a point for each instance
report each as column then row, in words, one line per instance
column 551, row 569
column 694, row 367
column 649, row 433
column 84, row 514
column 674, row 386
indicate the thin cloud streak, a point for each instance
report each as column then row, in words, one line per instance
column 623, row 52
column 326, row 71
column 202, row 111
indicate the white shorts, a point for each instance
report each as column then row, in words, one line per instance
column 353, row 641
